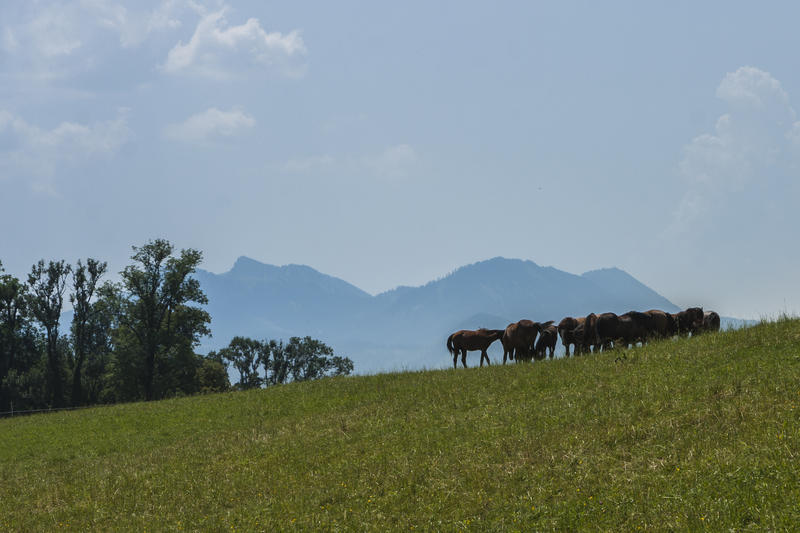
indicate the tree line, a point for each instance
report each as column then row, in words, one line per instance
column 131, row 340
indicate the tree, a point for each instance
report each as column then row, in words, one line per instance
column 276, row 367
column 303, row 359
column 22, row 383
column 13, row 311
column 246, row 355
column 155, row 306
column 99, row 350
column 212, row 375
column 47, row 286
column 85, row 279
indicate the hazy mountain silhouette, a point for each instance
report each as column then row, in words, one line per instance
column 407, row 327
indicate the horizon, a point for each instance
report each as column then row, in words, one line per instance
column 388, row 145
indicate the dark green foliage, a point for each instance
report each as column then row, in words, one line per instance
column 309, row 358
column 13, row 323
column 22, row 374
column 246, row 355
column 45, row 301
column 211, row 376
column 302, row 359
column 157, row 291
column 133, row 340
column 85, row 324
column 99, row 351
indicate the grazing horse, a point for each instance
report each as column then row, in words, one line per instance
column 468, row 340
column 634, row 326
column 710, row 321
column 508, row 346
column 689, row 321
column 519, row 339
column 567, row 329
column 607, row 329
column 663, row 323
column 589, row 336
column 547, row 341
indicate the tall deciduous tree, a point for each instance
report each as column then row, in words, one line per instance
column 302, row 359
column 312, row 359
column 12, row 314
column 46, row 299
column 85, row 279
column 159, row 288
column 246, row 355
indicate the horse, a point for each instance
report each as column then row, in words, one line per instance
column 664, row 325
column 468, row 340
column 711, row 321
column 547, row 341
column 566, row 329
column 519, row 339
column 689, row 321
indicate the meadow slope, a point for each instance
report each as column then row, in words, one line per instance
column 682, row 434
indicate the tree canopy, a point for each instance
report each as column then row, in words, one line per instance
column 135, row 339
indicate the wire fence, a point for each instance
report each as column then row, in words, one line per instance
column 8, row 414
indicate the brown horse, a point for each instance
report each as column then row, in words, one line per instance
column 519, row 339
column 589, row 337
column 566, row 329
column 711, row 321
column 468, row 340
column 689, row 321
column 547, row 341
column 664, row 325
column 508, row 346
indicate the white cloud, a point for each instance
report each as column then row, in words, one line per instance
column 754, row 89
column 58, row 38
column 134, row 27
column 751, row 152
column 217, row 50
column 55, row 32
column 210, row 124
column 29, row 150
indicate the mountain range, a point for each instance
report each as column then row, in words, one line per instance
column 406, row 328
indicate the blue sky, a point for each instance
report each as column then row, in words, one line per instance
column 388, row 144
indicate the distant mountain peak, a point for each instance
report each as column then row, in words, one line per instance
column 247, row 267
column 495, row 265
column 244, row 262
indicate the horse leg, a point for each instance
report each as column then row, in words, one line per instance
column 485, row 355
column 455, row 359
column 464, row 357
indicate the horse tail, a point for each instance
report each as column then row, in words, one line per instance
column 450, row 347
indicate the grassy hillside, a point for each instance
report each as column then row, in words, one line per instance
column 684, row 434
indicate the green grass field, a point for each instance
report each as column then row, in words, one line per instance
column 686, row 434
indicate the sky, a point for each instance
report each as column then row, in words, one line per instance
column 389, row 143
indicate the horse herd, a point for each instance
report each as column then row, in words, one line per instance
column 590, row 333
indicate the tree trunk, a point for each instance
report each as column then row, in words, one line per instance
column 56, row 395
column 150, row 364
column 77, row 390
